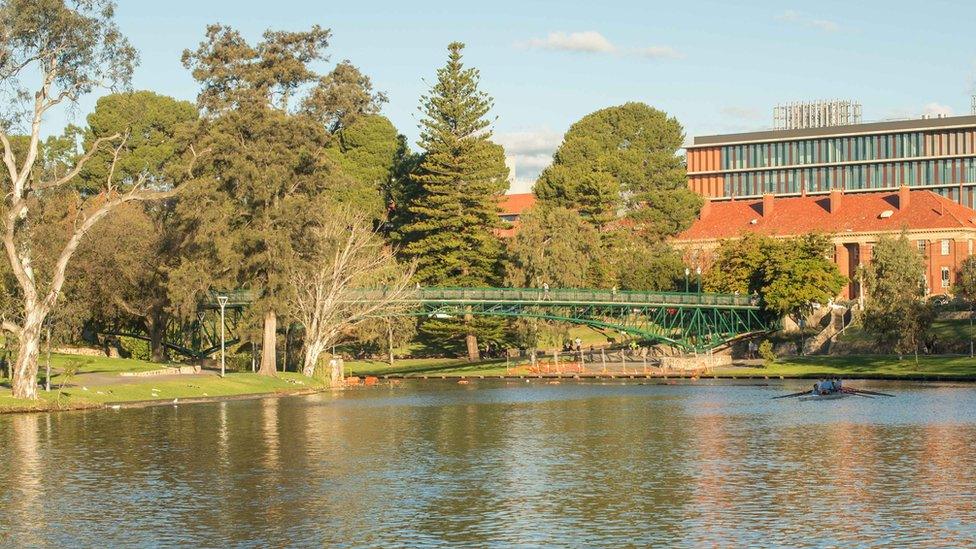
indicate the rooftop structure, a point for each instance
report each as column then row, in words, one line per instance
column 511, row 207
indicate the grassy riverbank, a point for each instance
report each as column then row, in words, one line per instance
column 846, row 366
column 867, row 366
column 97, row 381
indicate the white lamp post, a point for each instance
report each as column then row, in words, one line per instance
column 222, row 300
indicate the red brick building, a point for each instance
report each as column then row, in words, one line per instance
column 943, row 229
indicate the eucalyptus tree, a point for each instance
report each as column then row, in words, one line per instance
column 52, row 52
column 266, row 115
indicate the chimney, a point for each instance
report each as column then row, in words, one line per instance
column 706, row 208
column 767, row 205
column 835, row 196
column 904, row 197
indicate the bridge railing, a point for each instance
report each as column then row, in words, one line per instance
column 564, row 295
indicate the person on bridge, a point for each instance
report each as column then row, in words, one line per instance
column 545, row 291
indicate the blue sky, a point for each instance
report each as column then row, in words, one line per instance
column 717, row 66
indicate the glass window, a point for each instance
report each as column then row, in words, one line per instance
column 945, row 277
column 921, row 247
column 945, row 247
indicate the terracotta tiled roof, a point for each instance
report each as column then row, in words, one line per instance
column 515, row 204
column 856, row 212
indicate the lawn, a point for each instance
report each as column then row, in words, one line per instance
column 850, row 366
column 81, row 390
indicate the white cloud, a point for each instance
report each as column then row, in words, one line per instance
column 594, row 42
column 795, row 17
column 586, row 41
column 658, row 52
column 531, row 150
column 936, row 109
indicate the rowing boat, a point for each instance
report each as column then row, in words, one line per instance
column 828, row 396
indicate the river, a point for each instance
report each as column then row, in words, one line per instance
column 502, row 464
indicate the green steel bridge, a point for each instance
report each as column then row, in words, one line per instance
column 691, row 322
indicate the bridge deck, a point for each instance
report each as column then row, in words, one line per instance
column 567, row 297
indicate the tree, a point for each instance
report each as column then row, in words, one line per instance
column 554, row 245
column 896, row 311
column 799, row 275
column 643, row 266
column 370, row 151
column 342, row 96
column 966, row 281
column 739, row 263
column 454, row 208
column 268, row 171
column 126, row 262
column 343, row 257
column 789, row 275
column 623, row 159
column 69, row 49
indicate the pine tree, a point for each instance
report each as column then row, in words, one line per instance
column 453, row 212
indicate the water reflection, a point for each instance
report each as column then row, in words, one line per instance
column 501, row 463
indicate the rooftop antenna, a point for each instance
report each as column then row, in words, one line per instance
column 974, row 105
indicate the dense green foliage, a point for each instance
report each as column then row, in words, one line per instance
column 554, row 245
column 966, row 279
column 896, row 311
column 452, row 210
column 371, row 152
column 623, row 159
column 789, row 275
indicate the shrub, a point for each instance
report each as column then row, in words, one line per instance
column 135, row 348
column 766, row 351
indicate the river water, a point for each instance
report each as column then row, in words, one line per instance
column 502, row 464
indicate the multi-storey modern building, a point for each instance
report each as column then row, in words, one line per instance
column 938, row 154
column 894, row 177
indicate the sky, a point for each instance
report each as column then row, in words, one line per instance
column 717, row 66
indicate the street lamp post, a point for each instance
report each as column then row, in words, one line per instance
column 222, row 300
column 698, row 274
column 687, row 274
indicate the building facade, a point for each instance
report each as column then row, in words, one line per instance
column 937, row 154
column 943, row 230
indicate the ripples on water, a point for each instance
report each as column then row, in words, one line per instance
column 501, row 464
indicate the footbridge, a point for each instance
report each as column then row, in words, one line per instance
column 688, row 321
column 691, row 322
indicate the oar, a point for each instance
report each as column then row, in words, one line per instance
column 801, row 393
column 855, row 391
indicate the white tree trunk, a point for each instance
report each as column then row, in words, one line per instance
column 28, row 350
column 313, row 350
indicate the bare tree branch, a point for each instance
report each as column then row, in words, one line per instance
column 80, row 164
column 327, row 297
